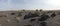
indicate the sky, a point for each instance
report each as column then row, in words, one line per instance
column 29, row 4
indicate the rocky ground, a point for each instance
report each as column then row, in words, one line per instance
column 16, row 18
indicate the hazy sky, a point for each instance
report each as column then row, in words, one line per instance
column 29, row 4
